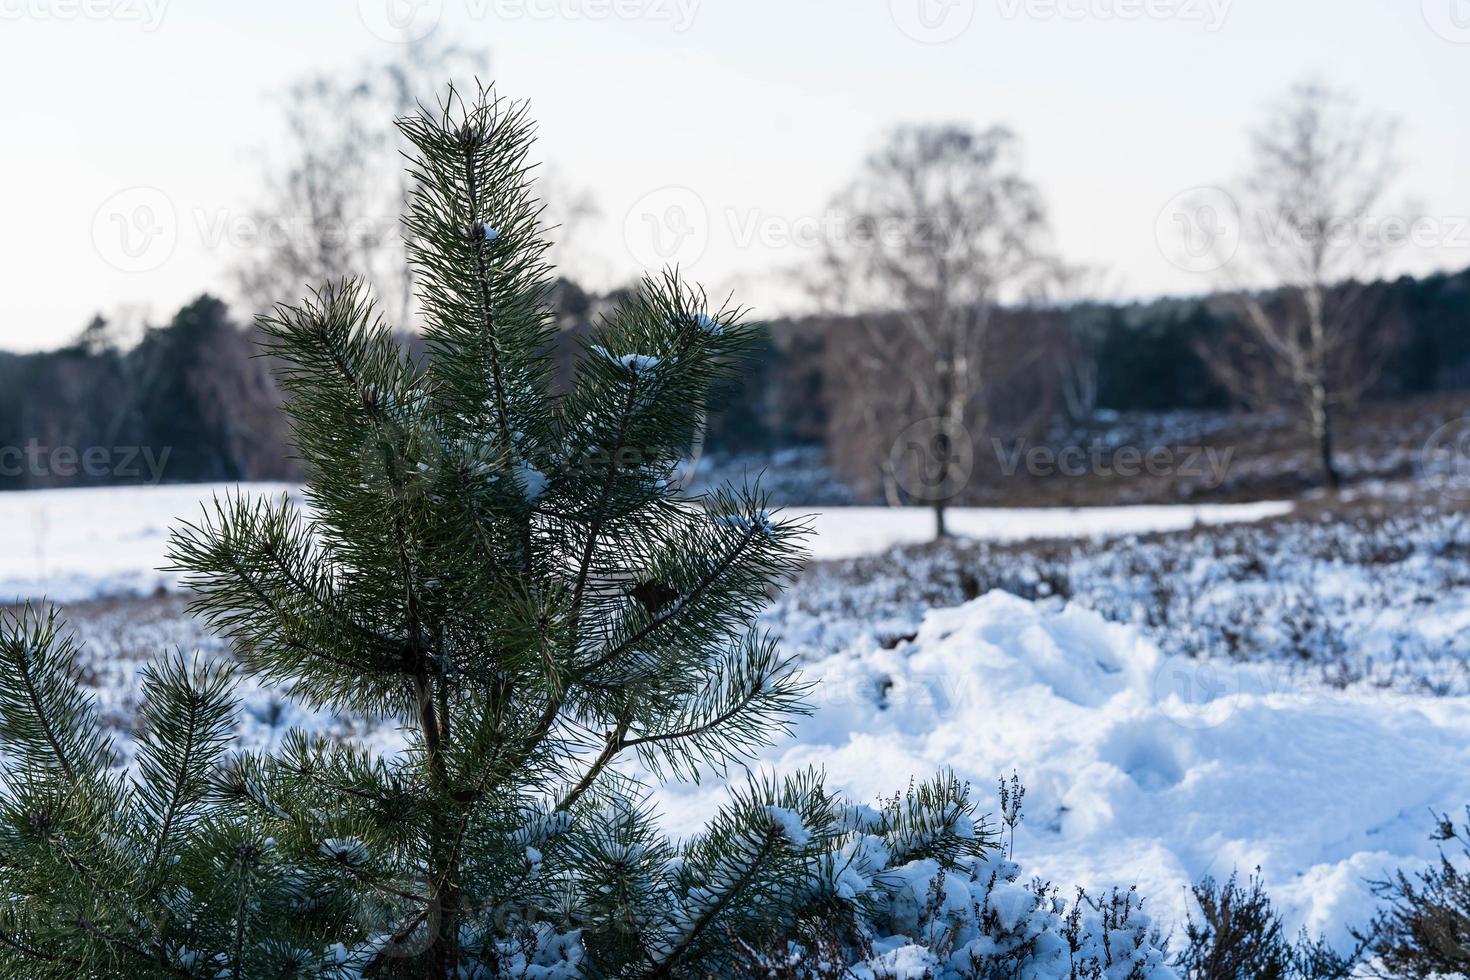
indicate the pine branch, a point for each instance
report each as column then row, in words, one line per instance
column 584, row 566
column 748, row 694
column 616, row 741
column 188, row 716
column 44, row 717
column 492, row 344
column 747, row 870
column 720, row 567
column 32, row 952
column 665, row 962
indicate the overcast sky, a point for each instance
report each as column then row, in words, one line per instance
column 724, row 126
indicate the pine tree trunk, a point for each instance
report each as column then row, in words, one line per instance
column 442, row 959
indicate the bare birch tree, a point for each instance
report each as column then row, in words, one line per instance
column 937, row 228
column 1311, row 202
column 1074, row 294
column 336, row 188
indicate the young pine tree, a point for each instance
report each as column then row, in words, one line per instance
column 510, row 576
column 507, row 573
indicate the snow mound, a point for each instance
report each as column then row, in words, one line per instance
column 1140, row 767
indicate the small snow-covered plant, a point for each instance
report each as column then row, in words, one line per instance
column 918, row 888
column 1239, row 935
column 1424, row 930
column 1011, row 796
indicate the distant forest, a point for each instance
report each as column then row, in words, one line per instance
column 196, row 388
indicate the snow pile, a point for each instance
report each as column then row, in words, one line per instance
column 1140, row 768
column 1382, row 599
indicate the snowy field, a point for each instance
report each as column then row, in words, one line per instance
column 75, row 544
column 1291, row 694
column 845, row 532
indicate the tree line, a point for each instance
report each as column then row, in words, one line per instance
column 189, row 402
column 194, row 400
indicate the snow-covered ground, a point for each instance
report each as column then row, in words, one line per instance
column 1141, row 767
column 1291, row 695
column 76, row 544
column 844, row 532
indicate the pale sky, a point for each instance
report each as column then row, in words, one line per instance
column 733, row 120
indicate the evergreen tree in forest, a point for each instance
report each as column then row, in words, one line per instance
column 508, row 573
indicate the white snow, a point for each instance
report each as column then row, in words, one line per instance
column 72, row 545
column 1139, row 768
column 788, row 821
column 845, row 532
column 637, row 363
column 531, row 480
column 348, row 850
